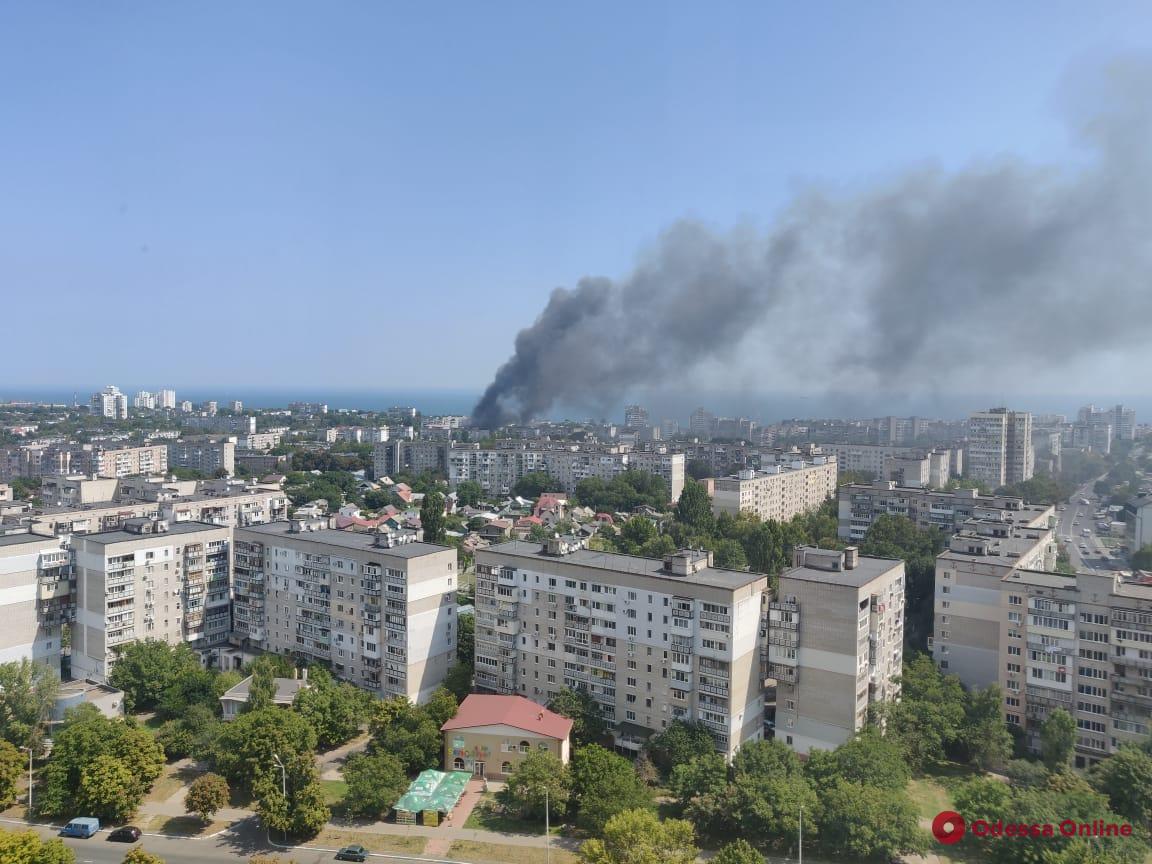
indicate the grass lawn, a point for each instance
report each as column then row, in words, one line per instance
column 182, row 826
column 487, row 816
column 334, row 791
column 175, row 776
column 469, row 850
column 929, row 795
column 375, row 842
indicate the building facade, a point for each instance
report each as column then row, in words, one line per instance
column 204, row 455
column 149, row 580
column 652, row 641
column 111, row 403
column 36, row 588
column 382, row 615
column 835, row 644
column 777, row 492
column 491, row 735
column 999, row 449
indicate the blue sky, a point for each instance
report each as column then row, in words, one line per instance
column 362, row 194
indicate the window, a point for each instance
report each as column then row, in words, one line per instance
column 1014, row 650
column 525, row 747
column 505, row 767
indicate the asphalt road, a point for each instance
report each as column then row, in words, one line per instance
column 237, row 844
column 1070, row 532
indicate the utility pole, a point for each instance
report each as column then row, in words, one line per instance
column 31, row 749
column 800, row 845
column 283, row 790
column 547, row 831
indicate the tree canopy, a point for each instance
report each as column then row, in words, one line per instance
column 145, row 670
column 27, row 693
column 638, row 837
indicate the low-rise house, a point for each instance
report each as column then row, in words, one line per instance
column 233, row 701
column 491, row 734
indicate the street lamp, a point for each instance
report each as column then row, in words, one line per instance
column 547, row 830
column 30, row 750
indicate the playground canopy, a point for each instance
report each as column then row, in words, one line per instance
column 434, row 790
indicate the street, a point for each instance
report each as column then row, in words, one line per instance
column 236, row 844
column 1070, row 525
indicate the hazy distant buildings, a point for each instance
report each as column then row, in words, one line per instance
column 908, row 466
column 999, row 451
column 777, row 492
column 834, row 645
column 144, row 400
column 223, row 424
column 636, row 417
column 166, row 399
column 701, row 423
column 110, row 402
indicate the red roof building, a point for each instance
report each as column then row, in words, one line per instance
column 490, row 735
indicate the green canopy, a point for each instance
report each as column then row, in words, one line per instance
column 434, row 790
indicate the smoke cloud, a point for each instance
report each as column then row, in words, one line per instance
column 1000, row 269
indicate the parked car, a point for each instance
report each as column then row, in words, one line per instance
column 83, row 827
column 127, row 834
column 352, row 853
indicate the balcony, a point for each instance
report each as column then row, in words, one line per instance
column 716, row 616
column 714, row 688
column 787, row 638
column 577, row 623
column 780, row 672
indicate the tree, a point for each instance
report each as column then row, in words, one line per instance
column 524, row 793
column 702, row 775
column 466, row 640
column 729, row 555
column 1126, row 778
column 738, row 852
column 207, row 794
column 12, row 764
column 1142, row 558
column 26, row 847
column 336, row 710
column 694, row 509
column 765, row 758
column 604, row 785
column 469, row 493
column 375, row 783
column 145, row 670
column 108, row 789
column 869, row 759
column 441, row 706
column 432, row 517
column 262, row 688
column 407, row 732
column 698, row 469
column 458, row 679
column 1025, row 773
column 638, row 837
column 985, row 733
column 139, row 856
column 1058, row 740
column 930, row 714
column 646, row 770
column 27, row 692
column 247, row 746
column 588, row 726
column 860, row 822
column 193, row 686
column 532, row 484
column 983, row 798
column 679, row 744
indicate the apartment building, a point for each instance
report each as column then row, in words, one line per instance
column 861, row 504
column 166, row 399
column 260, row 440
column 999, row 449
column 409, row 457
column 35, row 597
column 144, row 399
column 908, row 466
column 382, row 613
column 1121, row 420
column 100, row 461
column 149, row 580
column 652, row 641
column 835, row 635
column 636, row 417
column 968, row 630
column 220, row 424
column 206, row 455
column 777, row 492
column 498, row 470
column 5, row 492
column 76, row 489
column 110, row 402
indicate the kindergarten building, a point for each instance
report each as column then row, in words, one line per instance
column 490, row 735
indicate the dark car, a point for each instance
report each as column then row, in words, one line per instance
column 127, row 834
column 352, row 853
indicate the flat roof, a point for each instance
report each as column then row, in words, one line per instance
column 121, row 536
column 17, row 539
column 866, row 569
column 616, row 562
column 345, row 539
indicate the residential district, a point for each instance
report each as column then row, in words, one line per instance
column 301, row 633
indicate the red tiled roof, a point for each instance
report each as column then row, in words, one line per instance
column 515, row 711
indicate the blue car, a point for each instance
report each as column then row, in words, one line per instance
column 84, row 828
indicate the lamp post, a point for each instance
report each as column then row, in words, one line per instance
column 547, row 830
column 800, row 845
column 31, row 750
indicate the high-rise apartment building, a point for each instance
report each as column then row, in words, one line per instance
column 908, row 466
column 144, row 399
column 110, row 402
column 701, row 423
column 236, row 406
column 834, row 645
column 777, row 492
column 382, row 613
column 166, row 399
column 999, row 450
column 861, row 504
column 225, row 424
column 99, row 461
column 36, row 584
column 149, row 580
column 636, row 417
column 652, row 641
column 205, row 455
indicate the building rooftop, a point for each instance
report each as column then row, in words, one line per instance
column 345, row 539
column 866, row 570
column 616, row 562
column 17, row 539
column 515, row 711
column 286, row 690
column 174, row 529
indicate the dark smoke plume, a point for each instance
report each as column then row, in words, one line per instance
column 990, row 271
